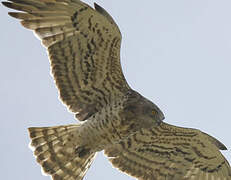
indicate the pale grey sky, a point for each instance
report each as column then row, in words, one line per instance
column 176, row 53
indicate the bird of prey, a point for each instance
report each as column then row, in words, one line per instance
column 83, row 44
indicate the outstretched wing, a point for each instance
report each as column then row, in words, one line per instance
column 170, row 153
column 84, row 50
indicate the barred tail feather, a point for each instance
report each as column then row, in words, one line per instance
column 55, row 151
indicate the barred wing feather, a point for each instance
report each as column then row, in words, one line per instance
column 84, row 50
column 170, row 153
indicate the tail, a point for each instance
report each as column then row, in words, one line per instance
column 56, row 148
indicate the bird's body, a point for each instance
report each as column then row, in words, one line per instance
column 117, row 121
column 84, row 51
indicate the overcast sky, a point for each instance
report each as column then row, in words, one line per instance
column 176, row 53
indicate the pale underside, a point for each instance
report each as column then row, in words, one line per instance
column 84, row 51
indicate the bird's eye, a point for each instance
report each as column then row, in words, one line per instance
column 154, row 112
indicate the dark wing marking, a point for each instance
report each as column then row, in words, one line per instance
column 170, row 153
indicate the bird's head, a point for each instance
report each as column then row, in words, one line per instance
column 143, row 110
column 152, row 110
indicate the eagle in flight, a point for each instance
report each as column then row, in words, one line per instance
column 83, row 44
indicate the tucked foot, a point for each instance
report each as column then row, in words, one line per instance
column 81, row 151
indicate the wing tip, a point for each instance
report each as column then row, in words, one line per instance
column 97, row 6
column 6, row 3
column 216, row 142
column 13, row 14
